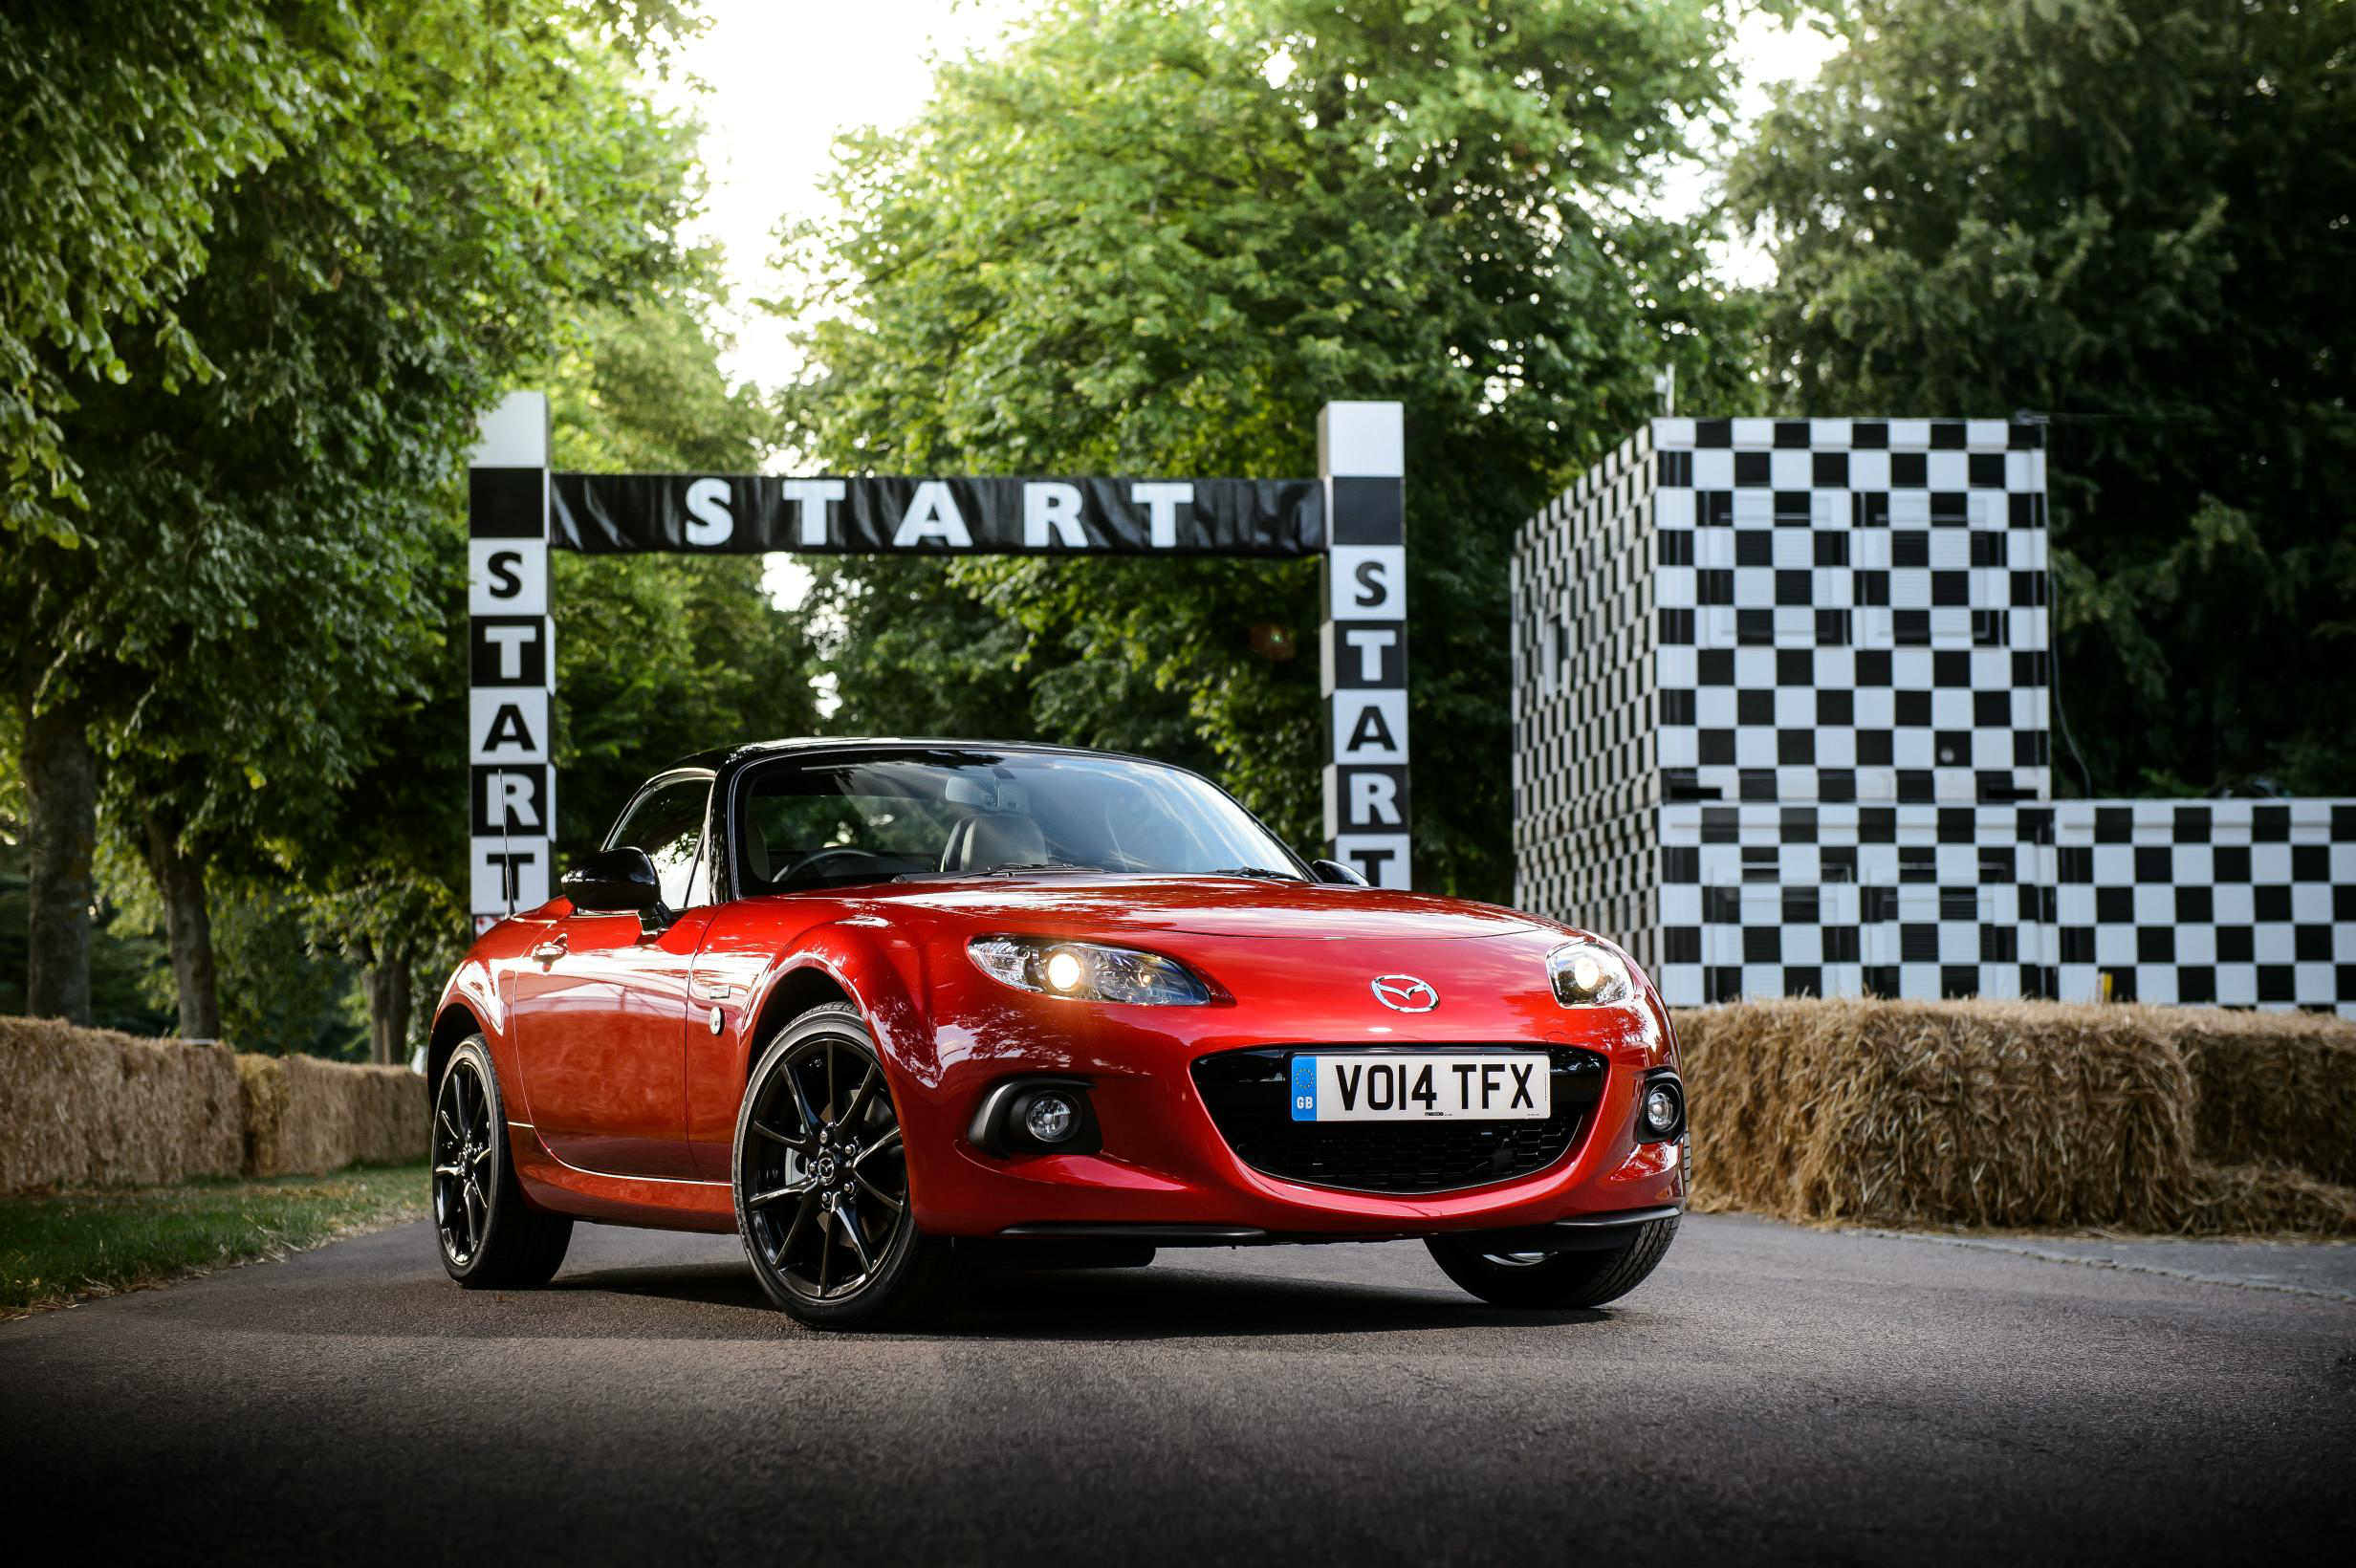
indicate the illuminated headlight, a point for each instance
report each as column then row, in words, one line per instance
column 1087, row 971
column 1589, row 974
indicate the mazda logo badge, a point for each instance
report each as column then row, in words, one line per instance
column 1404, row 994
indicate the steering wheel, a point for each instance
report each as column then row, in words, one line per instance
column 817, row 857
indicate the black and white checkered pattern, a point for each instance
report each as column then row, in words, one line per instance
column 1781, row 696
column 1585, row 790
column 1846, row 900
column 2237, row 903
column 1851, row 610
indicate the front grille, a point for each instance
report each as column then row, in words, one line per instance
column 1250, row 1097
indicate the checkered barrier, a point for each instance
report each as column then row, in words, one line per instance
column 1585, row 783
column 1851, row 610
column 1847, row 900
column 2236, row 903
column 1782, row 700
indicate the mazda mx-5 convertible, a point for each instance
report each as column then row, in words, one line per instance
column 883, row 1006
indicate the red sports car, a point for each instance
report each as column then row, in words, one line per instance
column 878, row 1005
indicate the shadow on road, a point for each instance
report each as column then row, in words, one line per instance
column 1168, row 1301
column 1163, row 1302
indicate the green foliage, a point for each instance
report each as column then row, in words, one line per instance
column 127, row 960
column 126, row 122
column 286, row 992
column 2133, row 214
column 375, row 218
column 266, row 559
column 1153, row 238
column 660, row 656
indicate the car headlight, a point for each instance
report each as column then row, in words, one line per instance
column 1589, row 974
column 1087, row 971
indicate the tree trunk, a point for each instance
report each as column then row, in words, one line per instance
column 61, row 783
column 388, row 1011
column 180, row 878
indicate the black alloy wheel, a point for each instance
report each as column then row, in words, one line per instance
column 821, row 1179
column 490, row 1235
column 462, row 1153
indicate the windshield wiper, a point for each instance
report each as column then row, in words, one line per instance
column 1265, row 872
column 1017, row 868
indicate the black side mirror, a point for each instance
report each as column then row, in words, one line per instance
column 613, row 882
column 1334, row 871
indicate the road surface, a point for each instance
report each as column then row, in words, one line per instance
column 1771, row 1393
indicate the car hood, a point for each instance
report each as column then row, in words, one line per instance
column 1229, row 907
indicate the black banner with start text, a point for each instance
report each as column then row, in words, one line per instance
column 603, row 514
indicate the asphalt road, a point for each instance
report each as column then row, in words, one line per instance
column 1770, row 1393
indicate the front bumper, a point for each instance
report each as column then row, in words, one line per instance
column 1164, row 1165
column 1578, row 1233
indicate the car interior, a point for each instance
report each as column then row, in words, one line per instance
column 840, row 825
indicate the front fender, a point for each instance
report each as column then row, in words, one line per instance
column 773, row 969
column 475, row 1002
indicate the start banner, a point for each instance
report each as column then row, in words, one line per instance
column 612, row 513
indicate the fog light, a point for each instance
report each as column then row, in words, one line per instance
column 1064, row 974
column 1662, row 1109
column 1049, row 1117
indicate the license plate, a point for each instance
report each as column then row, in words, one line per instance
column 1370, row 1086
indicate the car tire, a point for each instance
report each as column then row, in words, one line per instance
column 1554, row 1280
column 490, row 1235
column 820, row 1180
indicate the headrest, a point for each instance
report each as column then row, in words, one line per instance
column 996, row 838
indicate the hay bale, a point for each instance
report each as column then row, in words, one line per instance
column 2263, row 1199
column 89, row 1107
column 305, row 1116
column 389, row 1119
column 2274, row 1088
column 1947, row 1113
column 262, row 1080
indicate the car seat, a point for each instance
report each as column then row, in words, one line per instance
column 994, row 838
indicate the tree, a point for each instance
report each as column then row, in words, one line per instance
column 126, row 121
column 248, row 572
column 2134, row 215
column 1154, row 237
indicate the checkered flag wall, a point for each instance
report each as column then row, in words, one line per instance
column 1782, row 696
column 2232, row 903
column 1585, row 788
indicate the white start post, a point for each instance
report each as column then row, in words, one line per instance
column 511, row 656
column 1363, row 645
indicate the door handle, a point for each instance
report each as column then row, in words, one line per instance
column 548, row 952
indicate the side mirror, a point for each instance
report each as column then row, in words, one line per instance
column 1334, row 871
column 615, row 882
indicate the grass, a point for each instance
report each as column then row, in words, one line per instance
column 64, row 1248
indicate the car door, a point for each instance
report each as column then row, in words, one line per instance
column 602, row 1031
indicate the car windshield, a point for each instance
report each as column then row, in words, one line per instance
column 831, row 823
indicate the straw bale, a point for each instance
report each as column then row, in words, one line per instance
column 88, row 1107
column 2024, row 1115
column 307, row 1115
column 2277, row 1088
